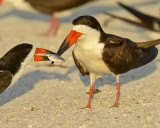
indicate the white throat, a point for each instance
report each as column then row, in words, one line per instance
column 88, row 50
column 90, row 36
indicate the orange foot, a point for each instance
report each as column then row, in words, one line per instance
column 115, row 105
column 88, row 106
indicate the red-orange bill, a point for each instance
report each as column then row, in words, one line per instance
column 69, row 41
column 40, row 58
column 45, row 55
column 41, row 50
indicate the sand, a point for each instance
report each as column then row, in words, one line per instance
column 49, row 96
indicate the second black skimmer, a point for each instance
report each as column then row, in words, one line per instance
column 97, row 53
column 49, row 7
column 17, row 58
column 146, row 21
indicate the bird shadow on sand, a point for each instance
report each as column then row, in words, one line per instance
column 27, row 83
column 125, row 78
column 89, row 10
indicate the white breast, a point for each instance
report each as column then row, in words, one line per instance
column 89, row 52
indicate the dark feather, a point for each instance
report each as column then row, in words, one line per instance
column 13, row 59
column 82, row 69
column 146, row 21
column 149, row 54
column 148, row 44
column 142, row 24
column 120, row 54
column 143, row 17
column 5, row 80
column 50, row 6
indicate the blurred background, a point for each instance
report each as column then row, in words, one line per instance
column 23, row 22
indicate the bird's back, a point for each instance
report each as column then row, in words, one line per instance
column 50, row 6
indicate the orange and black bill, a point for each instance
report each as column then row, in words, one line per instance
column 43, row 51
column 69, row 41
column 40, row 58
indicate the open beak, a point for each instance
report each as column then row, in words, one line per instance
column 41, row 51
column 39, row 57
column 45, row 55
column 69, row 41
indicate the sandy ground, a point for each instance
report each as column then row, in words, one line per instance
column 49, row 96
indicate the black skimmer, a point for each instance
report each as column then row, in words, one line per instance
column 146, row 21
column 97, row 53
column 17, row 58
column 49, row 7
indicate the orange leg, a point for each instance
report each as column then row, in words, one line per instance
column 92, row 80
column 50, row 26
column 117, row 96
column 90, row 96
column 56, row 23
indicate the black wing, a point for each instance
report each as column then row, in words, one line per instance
column 120, row 54
column 143, row 17
column 149, row 55
column 149, row 52
column 83, row 70
column 50, row 6
column 142, row 24
column 5, row 80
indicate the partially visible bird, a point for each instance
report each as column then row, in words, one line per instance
column 16, row 59
column 49, row 7
column 97, row 53
column 146, row 21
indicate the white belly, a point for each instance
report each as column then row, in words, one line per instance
column 91, row 58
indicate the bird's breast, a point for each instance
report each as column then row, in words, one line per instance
column 90, row 55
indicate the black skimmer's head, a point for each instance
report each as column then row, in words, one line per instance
column 97, row 53
column 12, row 63
column 17, row 58
column 84, row 27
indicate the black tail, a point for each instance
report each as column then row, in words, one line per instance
column 125, row 19
column 148, row 44
column 149, row 50
column 143, row 17
column 148, row 55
